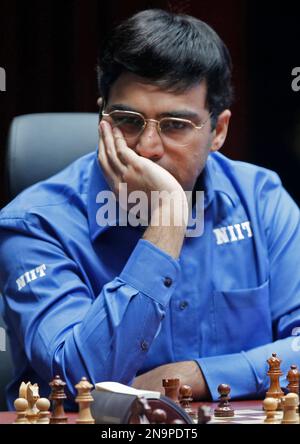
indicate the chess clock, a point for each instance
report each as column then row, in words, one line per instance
column 119, row 408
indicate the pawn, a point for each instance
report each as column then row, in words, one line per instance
column 43, row 405
column 185, row 396
column 289, row 404
column 21, row 406
column 293, row 378
column 158, row 416
column 270, row 406
column 203, row 414
column 224, row 409
column 84, row 399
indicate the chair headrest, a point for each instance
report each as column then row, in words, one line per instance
column 40, row 145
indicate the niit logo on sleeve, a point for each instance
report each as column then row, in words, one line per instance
column 233, row 233
column 30, row 276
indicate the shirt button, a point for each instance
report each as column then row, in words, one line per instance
column 183, row 305
column 168, row 282
column 144, row 345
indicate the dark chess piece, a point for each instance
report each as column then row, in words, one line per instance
column 58, row 396
column 203, row 414
column 140, row 411
column 293, row 378
column 224, row 409
column 158, row 416
column 171, row 387
column 186, row 397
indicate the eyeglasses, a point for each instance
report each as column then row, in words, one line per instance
column 171, row 129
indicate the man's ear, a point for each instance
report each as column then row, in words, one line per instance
column 221, row 130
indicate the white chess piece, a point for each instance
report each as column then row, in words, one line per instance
column 270, row 406
column 289, row 404
column 21, row 406
column 43, row 405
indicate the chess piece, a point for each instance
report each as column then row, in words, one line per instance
column 185, row 396
column 84, row 399
column 171, row 387
column 270, row 406
column 43, row 405
column 158, row 416
column 140, row 411
column 30, row 392
column 224, row 409
column 177, row 422
column 57, row 396
column 274, row 373
column 203, row 416
column 289, row 404
column 293, row 378
column 21, row 406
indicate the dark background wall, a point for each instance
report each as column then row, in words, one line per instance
column 49, row 51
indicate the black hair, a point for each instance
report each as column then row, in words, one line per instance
column 174, row 51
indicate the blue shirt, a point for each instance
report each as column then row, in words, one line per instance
column 82, row 299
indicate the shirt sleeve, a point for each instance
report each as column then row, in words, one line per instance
column 63, row 327
column 246, row 372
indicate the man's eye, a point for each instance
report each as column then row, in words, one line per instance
column 124, row 120
column 172, row 125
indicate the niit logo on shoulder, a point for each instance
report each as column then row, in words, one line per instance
column 2, row 79
column 30, row 276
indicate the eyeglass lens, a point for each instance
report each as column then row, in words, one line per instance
column 132, row 126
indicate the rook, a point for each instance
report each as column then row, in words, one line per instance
column 171, row 387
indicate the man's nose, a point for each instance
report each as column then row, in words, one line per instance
column 150, row 144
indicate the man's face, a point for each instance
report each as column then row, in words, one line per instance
column 185, row 163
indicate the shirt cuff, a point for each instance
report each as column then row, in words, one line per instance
column 234, row 370
column 152, row 272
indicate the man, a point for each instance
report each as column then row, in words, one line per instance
column 136, row 304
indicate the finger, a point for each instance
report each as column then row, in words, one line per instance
column 111, row 153
column 104, row 160
column 125, row 154
column 105, row 165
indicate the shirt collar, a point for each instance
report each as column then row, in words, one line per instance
column 212, row 180
column 215, row 180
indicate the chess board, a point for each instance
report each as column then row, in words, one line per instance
column 247, row 416
column 246, row 412
column 253, row 414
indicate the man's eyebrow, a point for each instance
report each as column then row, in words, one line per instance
column 182, row 114
column 121, row 107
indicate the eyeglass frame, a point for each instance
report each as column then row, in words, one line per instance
column 157, row 122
